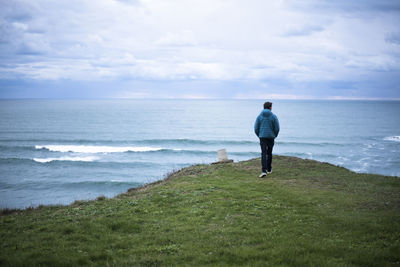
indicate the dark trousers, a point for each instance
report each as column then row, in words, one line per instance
column 267, row 144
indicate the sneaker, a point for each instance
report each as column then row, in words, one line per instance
column 269, row 172
column 262, row 175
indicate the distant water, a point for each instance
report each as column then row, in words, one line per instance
column 58, row 151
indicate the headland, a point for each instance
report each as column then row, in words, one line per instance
column 304, row 213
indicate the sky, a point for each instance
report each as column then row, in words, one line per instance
column 200, row 49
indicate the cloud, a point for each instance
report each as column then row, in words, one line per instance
column 182, row 38
column 129, row 2
column 345, row 7
column 304, row 30
column 393, row 38
column 284, row 43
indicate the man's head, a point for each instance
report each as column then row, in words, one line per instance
column 268, row 105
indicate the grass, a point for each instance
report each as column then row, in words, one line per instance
column 304, row 213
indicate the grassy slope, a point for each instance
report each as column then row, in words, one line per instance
column 304, row 213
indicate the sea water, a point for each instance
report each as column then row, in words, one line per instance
column 58, row 151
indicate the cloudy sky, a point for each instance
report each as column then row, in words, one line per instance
column 278, row 49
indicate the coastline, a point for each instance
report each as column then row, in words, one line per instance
column 166, row 177
column 304, row 213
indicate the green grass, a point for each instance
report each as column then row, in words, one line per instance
column 304, row 213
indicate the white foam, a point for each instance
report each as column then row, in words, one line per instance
column 45, row 160
column 96, row 149
column 392, row 138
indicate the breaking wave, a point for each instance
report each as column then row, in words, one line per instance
column 46, row 160
column 392, row 138
column 97, row 149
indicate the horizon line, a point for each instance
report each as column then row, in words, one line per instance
column 203, row 98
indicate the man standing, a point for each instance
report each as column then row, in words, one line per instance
column 266, row 128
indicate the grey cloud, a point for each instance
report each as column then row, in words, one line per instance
column 345, row 85
column 19, row 11
column 346, row 6
column 5, row 31
column 13, row 18
column 36, row 28
column 19, row 17
column 303, row 31
column 129, row 2
column 393, row 38
column 26, row 49
column 363, row 5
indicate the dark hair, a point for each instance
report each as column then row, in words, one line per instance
column 267, row 105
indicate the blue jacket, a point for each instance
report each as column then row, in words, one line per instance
column 266, row 125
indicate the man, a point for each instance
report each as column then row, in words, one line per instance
column 266, row 128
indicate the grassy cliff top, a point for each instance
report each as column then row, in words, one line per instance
column 304, row 213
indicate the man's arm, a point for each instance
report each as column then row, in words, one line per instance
column 276, row 126
column 257, row 126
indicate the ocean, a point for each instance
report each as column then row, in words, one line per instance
column 58, row 151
